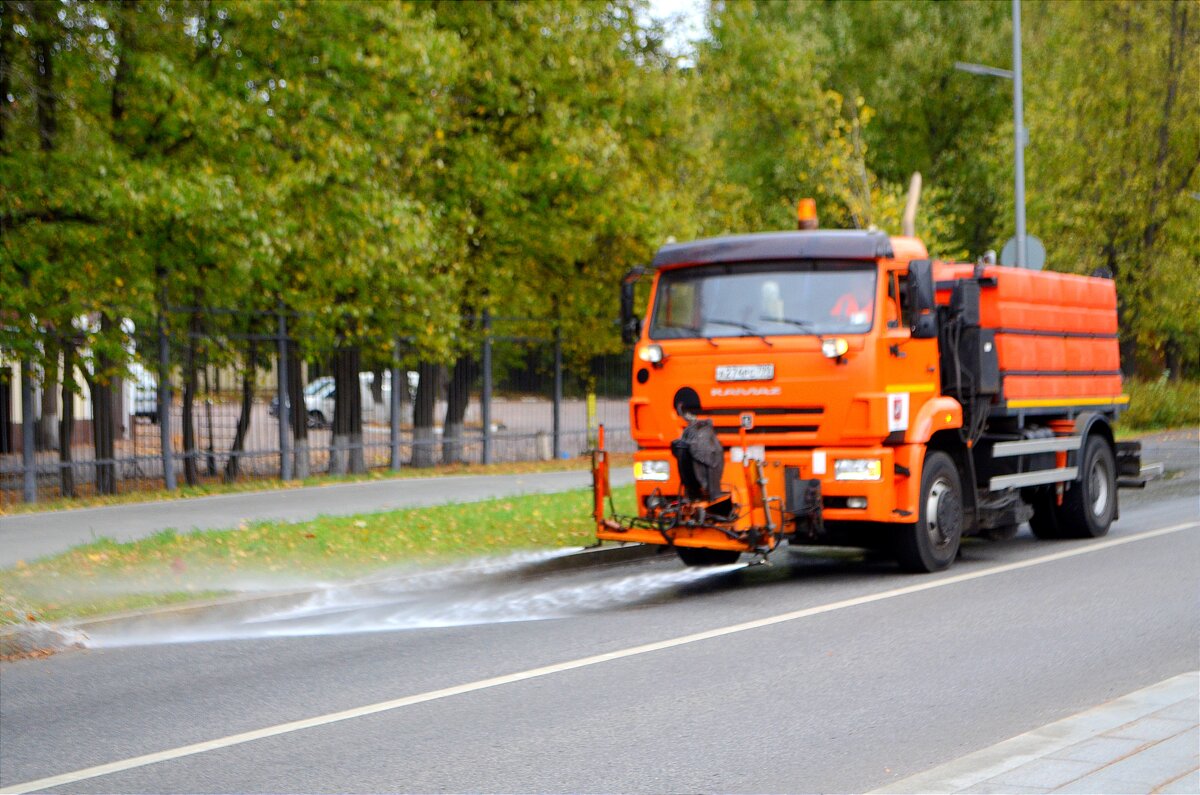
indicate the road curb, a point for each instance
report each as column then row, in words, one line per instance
column 35, row 637
column 979, row 771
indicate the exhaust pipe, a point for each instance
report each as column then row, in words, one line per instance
column 909, row 224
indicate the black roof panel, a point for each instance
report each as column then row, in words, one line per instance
column 815, row 244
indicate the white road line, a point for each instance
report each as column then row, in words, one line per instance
column 570, row 665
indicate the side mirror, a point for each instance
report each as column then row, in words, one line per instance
column 922, row 299
column 631, row 324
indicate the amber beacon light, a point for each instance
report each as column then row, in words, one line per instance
column 806, row 214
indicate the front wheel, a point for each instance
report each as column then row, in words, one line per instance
column 697, row 556
column 931, row 543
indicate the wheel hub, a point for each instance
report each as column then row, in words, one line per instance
column 1098, row 487
column 943, row 516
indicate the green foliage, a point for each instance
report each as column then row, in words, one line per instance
column 389, row 168
column 1161, row 403
column 1113, row 160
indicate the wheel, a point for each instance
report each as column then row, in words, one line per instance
column 1089, row 504
column 316, row 419
column 931, row 543
column 696, row 556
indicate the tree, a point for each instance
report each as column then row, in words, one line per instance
column 1113, row 161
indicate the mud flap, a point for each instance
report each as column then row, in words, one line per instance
column 802, row 504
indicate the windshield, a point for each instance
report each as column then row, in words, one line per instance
column 320, row 385
column 747, row 299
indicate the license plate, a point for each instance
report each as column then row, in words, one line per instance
column 745, row 372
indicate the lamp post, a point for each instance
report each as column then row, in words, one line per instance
column 1020, row 136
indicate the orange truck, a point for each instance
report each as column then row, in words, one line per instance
column 840, row 388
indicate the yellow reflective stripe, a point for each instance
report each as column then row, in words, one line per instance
column 1056, row 402
column 926, row 387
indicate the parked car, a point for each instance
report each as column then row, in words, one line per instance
column 314, row 393
column 320, row 397
column 144, row 388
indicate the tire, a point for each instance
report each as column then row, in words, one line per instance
column 931, row 543
column 696, row 556
column 1089, row 504
column 316, row 419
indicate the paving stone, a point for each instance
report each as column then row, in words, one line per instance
column 1003, row 789
column 1099, row 749
column 1049, row 773
column 1188, row 784
column 1151, row 729
column 1146, row 770
column 1187, row 709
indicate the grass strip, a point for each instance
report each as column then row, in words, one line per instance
column 1160, row 404
column 105, row 577
column 208, row 489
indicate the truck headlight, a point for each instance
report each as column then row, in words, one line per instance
column 857, row 469
column 652, row 470
column 651, row 353
column 834, row 347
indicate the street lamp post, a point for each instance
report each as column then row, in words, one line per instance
column 1020, row 136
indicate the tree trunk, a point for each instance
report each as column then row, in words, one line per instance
column 347, row 452
column 423, row 411
column 299, row 413
column 8, row 9
column 243, row 424
column 102, row 416
column 377, row 385
column 46, row 103
column 43, row 56
column 47, row 424
column 191, row 471
column 67, row 424
column 1173, row 360
column 210, row 457
column 458, row 398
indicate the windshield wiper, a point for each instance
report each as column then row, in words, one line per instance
column 750, row 332
column 800, row 324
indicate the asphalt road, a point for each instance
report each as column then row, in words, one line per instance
column 850, row 675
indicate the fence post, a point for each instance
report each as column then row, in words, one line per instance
column 558, row 392
column 399, row 381
column 164, row 404
column 285, row 428
column 485, row 403
column 28, row 459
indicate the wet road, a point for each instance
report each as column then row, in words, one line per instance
column 814, row 674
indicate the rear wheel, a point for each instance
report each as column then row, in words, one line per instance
column 696, row 556
column 1088, row 505
column 931, row 543
column 316, row 419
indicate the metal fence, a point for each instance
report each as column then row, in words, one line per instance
column 510, row 395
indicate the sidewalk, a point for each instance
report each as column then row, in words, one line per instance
column 34, row 535
column 1145, row 742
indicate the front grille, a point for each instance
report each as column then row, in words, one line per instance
column 783, row 419
column 762, row 411
column 760, row 429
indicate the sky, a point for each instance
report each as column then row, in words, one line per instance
column 688, row 18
